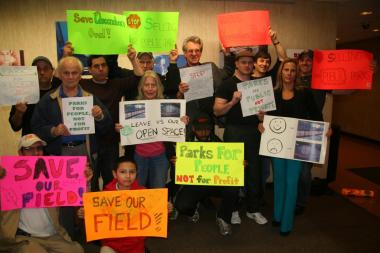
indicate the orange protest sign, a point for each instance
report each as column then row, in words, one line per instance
column 114, row 214
column 342, row 69
column 247, row 28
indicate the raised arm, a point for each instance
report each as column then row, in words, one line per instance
column 281, row 53
column 137, row 70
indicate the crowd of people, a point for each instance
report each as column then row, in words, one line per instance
column 152, row 165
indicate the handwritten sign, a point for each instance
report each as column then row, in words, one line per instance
column 295, row 139
column 42, row 181
column 247, row 28
column 114, row 214
column 18, row 84
column 77, row 115
column 199, row 79
column 152, row 31
column 208, row 163
column 257, row 95
column 97, row 32
column 342, row 69
column 146, row 121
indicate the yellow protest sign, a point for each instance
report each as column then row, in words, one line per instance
column 114, row 214
column 210, row 163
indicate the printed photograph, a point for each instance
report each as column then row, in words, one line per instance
column 134, row 111
column 170, row 109
column 307, row 151
column 11, row 58
column 310, row 130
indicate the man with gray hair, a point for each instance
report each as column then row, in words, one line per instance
column 192, row 49
column 47, row 123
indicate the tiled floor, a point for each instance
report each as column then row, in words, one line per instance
column 358, row 153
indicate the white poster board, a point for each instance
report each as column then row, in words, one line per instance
column 257, row 95
column 199, row 79
column 19, row 84
column 295, row 139
column 77, row 115
column 146, row 121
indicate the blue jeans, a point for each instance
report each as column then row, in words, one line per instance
column 286, row 175
column 152, row 172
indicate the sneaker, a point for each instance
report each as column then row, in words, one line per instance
column 195, row 217
column 235, row 218
column 173, row 215
column 258, row 218
column 224, row 227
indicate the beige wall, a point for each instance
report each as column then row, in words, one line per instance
column 359, row 113
column 29, row 25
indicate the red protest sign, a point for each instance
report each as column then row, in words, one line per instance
column 246, row 28
column 342, row 70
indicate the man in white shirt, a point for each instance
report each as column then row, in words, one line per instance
column 33, row 230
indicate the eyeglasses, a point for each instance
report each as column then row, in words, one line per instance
column 38, row 148
column 193, row 51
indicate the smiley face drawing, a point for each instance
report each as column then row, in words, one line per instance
column 277, row 125
column 274, row 146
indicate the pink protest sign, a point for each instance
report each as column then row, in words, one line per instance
column 247, row 28
column 42, row 181
column 342, row 69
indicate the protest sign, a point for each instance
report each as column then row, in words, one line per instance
column 210, row 163
column 342, row 69
column 295, row 139
column 247, row 28
column 152, row 31
column 77, row 115
column 257, row 95
column 96, row 32
column 114, row 214
column 199, row 79
column 42, row 181
column 19, row 84
column 146, row 121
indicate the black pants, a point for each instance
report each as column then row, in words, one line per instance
column 189, row 195
column 253, row 183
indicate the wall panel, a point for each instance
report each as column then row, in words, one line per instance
column 29, row 25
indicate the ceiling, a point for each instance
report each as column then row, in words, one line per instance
column 351, row 26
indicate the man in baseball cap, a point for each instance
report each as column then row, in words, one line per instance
column 33, row 229
column 31, row 145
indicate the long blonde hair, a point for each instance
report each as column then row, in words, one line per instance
column 160, row 87
column 279, row 81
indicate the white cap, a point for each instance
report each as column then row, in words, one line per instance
column 28, row 140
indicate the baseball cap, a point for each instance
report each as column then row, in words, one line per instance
column 307, row 52
column 28, row 140
column 41, row 58
column 202, row 121
column 141, row 54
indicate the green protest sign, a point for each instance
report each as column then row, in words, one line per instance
column 152, row 31
column 210, row 163
column 95, row 32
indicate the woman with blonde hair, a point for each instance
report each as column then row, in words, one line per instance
column 296, row 101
